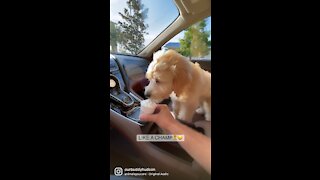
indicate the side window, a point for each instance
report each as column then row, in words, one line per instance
column 194, row 42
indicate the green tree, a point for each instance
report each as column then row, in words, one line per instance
column 114, row 36
column 133, row 27
column 195, row 42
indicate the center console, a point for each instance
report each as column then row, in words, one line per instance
column 122, row 102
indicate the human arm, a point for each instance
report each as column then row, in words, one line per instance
column 195, row 143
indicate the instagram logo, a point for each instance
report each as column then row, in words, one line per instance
column 118, row 171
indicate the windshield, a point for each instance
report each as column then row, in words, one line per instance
column 193, row 42
column 135, row 23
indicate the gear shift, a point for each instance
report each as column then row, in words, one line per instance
column 119, row 95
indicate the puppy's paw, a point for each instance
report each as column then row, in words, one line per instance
column 200, row 111
column 207, row 117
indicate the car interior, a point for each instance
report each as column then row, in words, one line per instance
column 127, row 83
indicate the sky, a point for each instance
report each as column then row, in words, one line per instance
column 160, row 15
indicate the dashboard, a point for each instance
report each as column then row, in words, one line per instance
column 122, row 73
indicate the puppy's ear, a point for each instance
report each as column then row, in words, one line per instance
column 182, row 79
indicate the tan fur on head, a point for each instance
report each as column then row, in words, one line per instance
column 175, row 68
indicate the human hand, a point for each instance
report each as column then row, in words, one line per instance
column 161, row 116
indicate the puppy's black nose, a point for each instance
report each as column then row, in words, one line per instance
column 147, row 94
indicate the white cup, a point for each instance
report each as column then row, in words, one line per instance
column 147, row 106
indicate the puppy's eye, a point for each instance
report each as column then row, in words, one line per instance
column 157, row 81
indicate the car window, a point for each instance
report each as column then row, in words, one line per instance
column 135, row 23
column 194, row 42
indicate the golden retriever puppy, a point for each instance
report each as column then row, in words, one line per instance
column 189, row 87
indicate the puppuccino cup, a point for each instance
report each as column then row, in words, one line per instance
column 147, row 106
